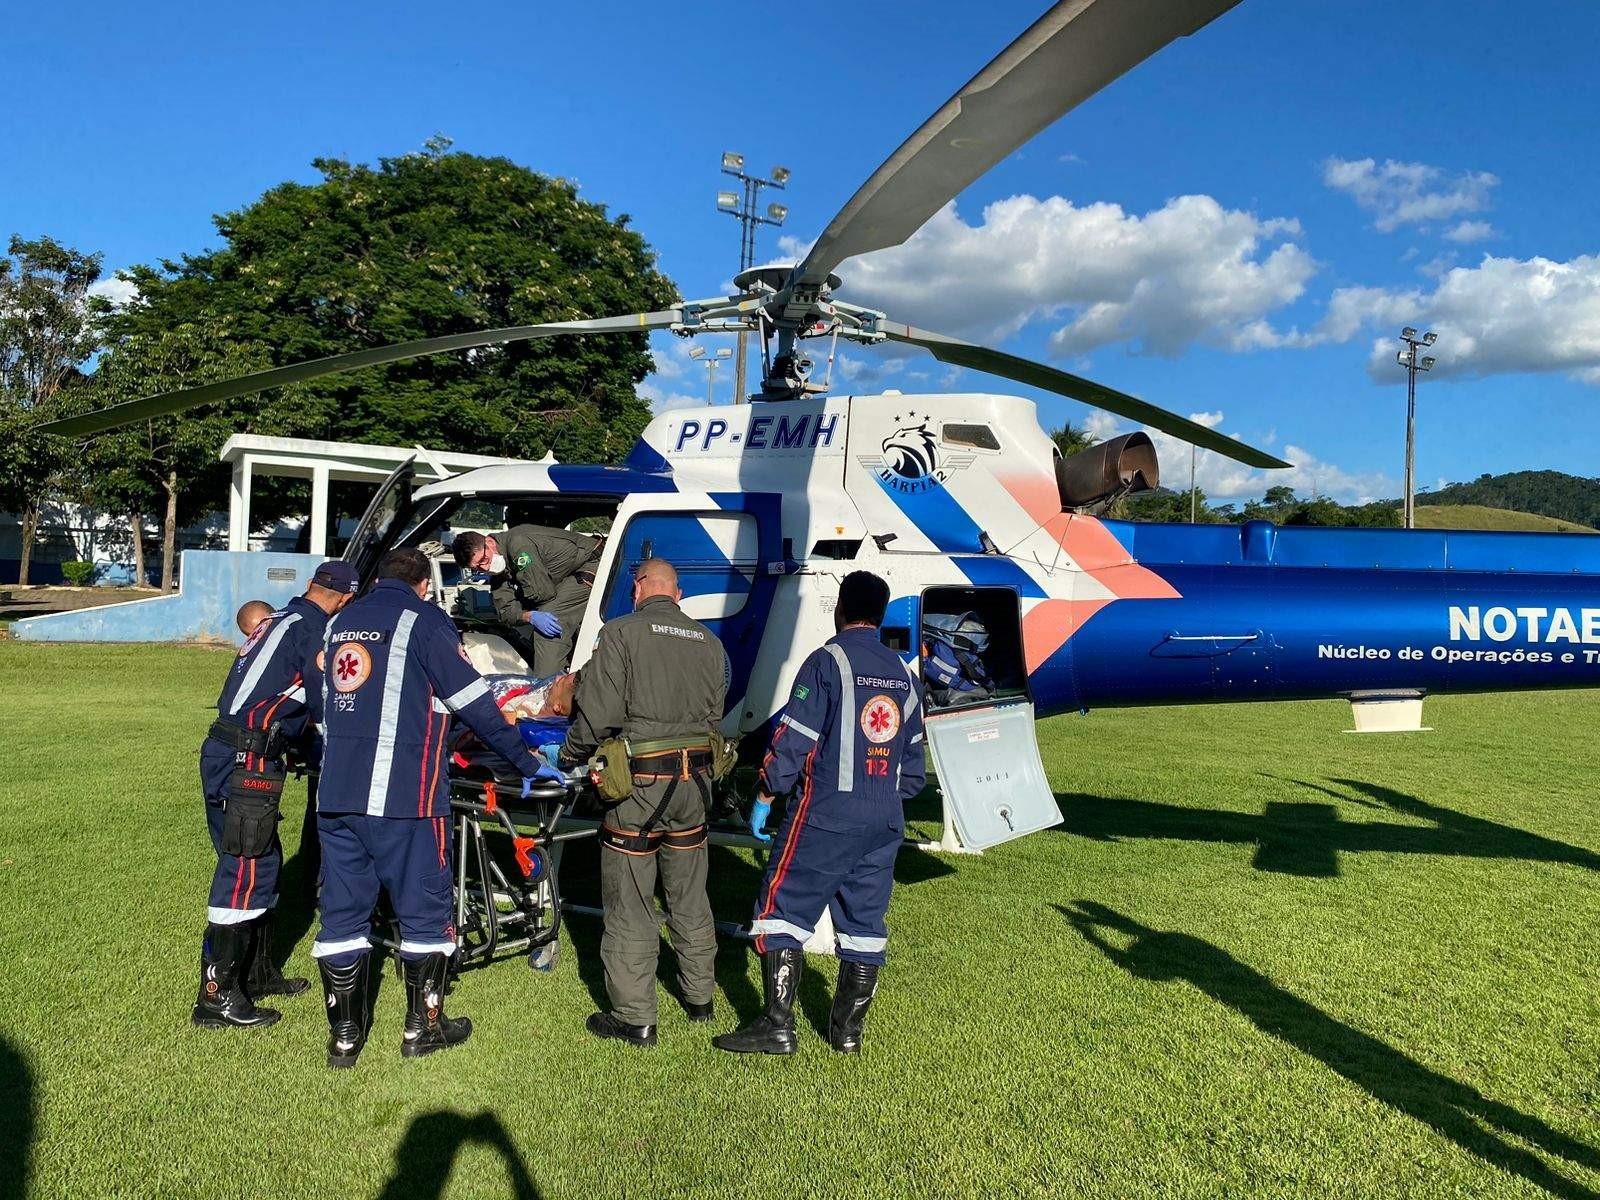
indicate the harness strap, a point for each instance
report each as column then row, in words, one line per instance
column 687, row 839
column 250, row 741
column 640, row 844
column 645, row 840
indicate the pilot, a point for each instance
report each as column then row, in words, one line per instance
column 264, row 704
column 542, row 579
column 657, row 679
column 848, row 751
column 394, row 672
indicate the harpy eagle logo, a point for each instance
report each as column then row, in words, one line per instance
column 909, row 451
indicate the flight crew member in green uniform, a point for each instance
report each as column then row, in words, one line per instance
column 542, row 578
column 659, row 680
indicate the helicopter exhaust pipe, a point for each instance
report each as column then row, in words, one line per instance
column 1108, row 470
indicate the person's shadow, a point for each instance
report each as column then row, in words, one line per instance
column 427, row 1154
column 18, row 1121
column 1471, row 1120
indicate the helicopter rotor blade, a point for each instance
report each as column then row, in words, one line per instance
column 1008, row 366
column 185, row 398
column 1066, row 56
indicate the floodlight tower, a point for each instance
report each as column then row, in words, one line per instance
column 743, row 206
column 1409, row 359
column 698, row 353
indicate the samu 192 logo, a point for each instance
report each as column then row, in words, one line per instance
column 911, row 461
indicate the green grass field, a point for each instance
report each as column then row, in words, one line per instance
column 1479, row 516
column 1261, row 958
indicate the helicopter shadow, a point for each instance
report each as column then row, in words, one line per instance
column 1308, row 838
column 1483, row 1127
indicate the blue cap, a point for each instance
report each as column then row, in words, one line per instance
column 337, row 576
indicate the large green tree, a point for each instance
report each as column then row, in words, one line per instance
column 47, row 331
column 419, row 246
column 169, row 465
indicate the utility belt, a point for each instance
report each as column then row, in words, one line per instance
column 268, row 742
column 617, row 760
column 622, row 764
column 255, row 788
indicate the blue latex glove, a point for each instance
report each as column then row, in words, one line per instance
column 544, row 624
column 759, row 812
column 545, row 772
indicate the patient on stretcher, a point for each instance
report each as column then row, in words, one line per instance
column 539, row 708
column 522, row 698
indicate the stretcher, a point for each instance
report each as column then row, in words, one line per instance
column 506, row 873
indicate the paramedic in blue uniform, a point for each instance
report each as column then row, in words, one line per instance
column 265, row 704
column 395, row 671
column 848, row 753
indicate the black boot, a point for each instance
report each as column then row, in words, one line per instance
column 700, row 1012
column 348, row 1011
column 858, row 982
column 609, row 1025
column 222, row 1001
column 427, row 1028
column 265, row 979
column 773, row 1031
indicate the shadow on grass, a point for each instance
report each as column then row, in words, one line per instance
column 1483, row 1127
column 1307, row 838
column 734, row 883
column 298, row 883
column 427, row 1154
column 18, row 1121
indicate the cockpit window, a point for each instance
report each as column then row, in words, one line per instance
column 979, row 436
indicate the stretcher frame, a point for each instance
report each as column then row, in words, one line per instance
column 497, row 912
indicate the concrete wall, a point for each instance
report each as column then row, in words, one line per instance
column 214, row 583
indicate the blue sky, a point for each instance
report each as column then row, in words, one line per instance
column 1207, row 232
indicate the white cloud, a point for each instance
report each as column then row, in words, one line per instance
column 1469, row 231
column 1503, row 316
column 120, row 292
column 1409, row 193
column 1190, row 271
column 661, row 400
column 1224, row 480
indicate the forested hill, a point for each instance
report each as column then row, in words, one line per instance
column 1549, row 493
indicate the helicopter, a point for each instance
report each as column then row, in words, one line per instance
column 969, row 510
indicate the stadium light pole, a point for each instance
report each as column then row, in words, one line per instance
column 1412, row 362
column 742, row 205
column 699, row 354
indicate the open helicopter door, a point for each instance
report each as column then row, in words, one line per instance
column 980, row 719
column 729, row 555
column 380, row 526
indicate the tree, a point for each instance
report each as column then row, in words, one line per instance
column 173, row 461
column 47, row 331
column 1070, row 439
column 423, row 245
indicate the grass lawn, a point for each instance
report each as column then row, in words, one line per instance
column 1261, row 957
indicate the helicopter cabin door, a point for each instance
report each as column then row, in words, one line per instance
column 980, row 718
column 729, row 555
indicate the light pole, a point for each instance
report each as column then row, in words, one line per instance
column 1192, row 492
column 743, row 206
column 698, row 353
column 1409, row 359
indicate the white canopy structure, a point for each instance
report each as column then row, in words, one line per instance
column 322, row 463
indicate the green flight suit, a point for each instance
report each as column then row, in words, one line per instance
column 543, row 569
column 655, row 674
